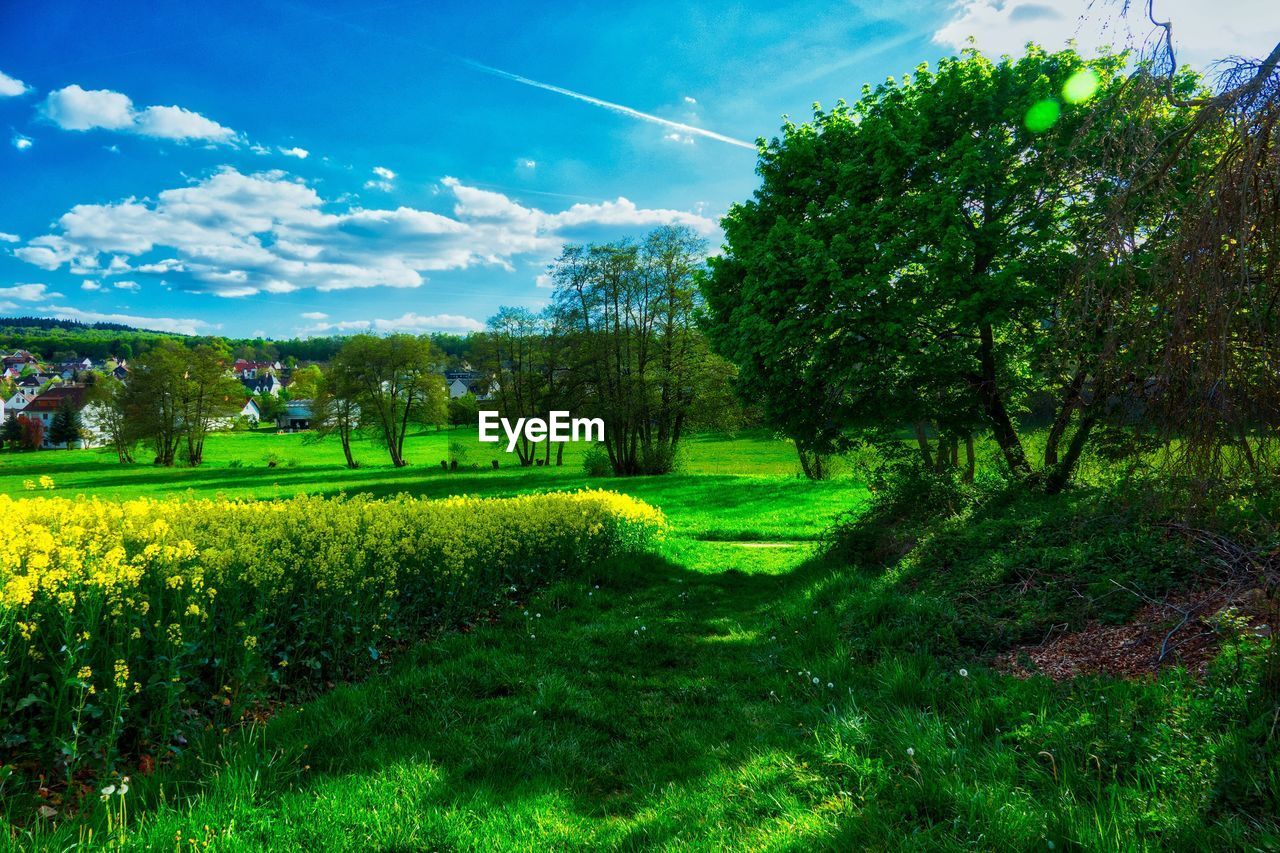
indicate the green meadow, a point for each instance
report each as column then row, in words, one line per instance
column 746, row 688
column 728, row 487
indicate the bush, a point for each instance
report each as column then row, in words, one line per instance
column 122, row 624
column 596, row 463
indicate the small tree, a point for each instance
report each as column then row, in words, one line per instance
column 32, row 432
column 305, row 383
column 66, row 425
column 398, row 385
column 106, row 413
column 464, row 410
column 12, row 432
column 335, row 409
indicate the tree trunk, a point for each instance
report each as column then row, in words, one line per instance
column 971, row 461
column 1061, row 473
column 922, row 441
column 1248, row 451
column 346, row 448
column 1003, row 430
column 1070, row 396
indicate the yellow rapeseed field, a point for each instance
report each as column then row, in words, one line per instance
column 121, row 623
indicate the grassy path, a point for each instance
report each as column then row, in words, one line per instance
column 631, row 711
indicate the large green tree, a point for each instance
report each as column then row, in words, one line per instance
column 175, row 396
column 905, row 259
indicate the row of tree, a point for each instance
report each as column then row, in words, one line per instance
column 620, row 341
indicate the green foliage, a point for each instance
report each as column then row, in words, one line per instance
column 66, row 426
column 906, row 260
column 304, row 383
column 464, row 410
column 12, row 434
column 392, row 382
column 595, row 463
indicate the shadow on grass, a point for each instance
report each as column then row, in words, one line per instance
column 614, row 702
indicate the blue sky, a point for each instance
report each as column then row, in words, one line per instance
column 312, row 167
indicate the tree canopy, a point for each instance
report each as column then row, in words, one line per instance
column 907, row 257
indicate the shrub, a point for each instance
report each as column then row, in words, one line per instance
column 121, row 624
column 596, row 463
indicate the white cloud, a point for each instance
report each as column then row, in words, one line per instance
column 385, row 180
column 690, row 100
column 682, row 138
column 527, row 164
column 177, row 123
column 181, row 326
column 89, row 284
column 9, row 238
column 11, row 87
column 1203, row 32
column 234, row 234
column 315, row 315
column 409, row 322
column 300, row 153
column 76, row 108
column 22, row 143
column 544, row 281
column 127, row 285
column 27, row 293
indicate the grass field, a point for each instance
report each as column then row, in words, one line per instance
column 737, row 691
column 727, row 487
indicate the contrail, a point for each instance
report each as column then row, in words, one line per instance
column 609, row 105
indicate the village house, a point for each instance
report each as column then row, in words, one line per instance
column 45, row 408
column 250, row 411
column 265, row 384
column 18, row 402
column 244, row 369
column 19, row 359
column 463, row 382
column 296, row 416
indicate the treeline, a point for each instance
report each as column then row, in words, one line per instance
column 958, row 248
column 61, row 341
column 620, row 341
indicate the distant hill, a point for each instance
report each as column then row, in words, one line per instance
column 63, row 340
column 7, row 324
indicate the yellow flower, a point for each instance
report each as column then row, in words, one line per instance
column 121, row 678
